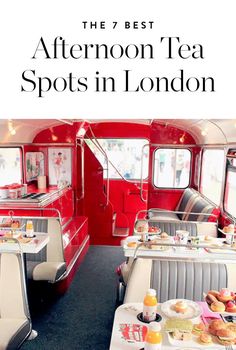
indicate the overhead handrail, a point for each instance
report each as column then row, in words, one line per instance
column 159, row 210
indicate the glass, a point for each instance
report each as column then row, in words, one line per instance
column 171, row 168
column 230, row 192
column 212, row 171
column 126, row 156
column 29, row 228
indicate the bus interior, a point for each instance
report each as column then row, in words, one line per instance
column 93, row 184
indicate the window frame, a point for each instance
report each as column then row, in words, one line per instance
column 22, row 180
column 190, row 168
column 133, row 180
column 223, row 176
column 228, row 166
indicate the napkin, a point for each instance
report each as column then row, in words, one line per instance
column 207, row 314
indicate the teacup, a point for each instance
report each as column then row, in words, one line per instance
column 182, row 236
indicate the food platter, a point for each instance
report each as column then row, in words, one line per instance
column 193, row 309
column 223, row 313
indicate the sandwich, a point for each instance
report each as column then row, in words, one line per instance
column 205, row 338
column 216, row 325
column 179, row 329
column 225, row 337
column 198, row 328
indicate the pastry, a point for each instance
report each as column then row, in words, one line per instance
column 208, row 238
column 225, row 295
column 198, row 328
column 230, row 306
column 232, row 327
column 132, row 244
column 164, row 235
column 217, row 306
column 214, row 292
column 205, row 338
column 225, row 336
column 181, row 307
column 215, row 325
column 210, row 299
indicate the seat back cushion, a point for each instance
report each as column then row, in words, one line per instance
column 200, row 207
column 171, row 227
column 12, row 293
column 185, row 201
column 188, row 280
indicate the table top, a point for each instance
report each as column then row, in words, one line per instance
column 167, row 249
column 127, row 332
column 38, row 242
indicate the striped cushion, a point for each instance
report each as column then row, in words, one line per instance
column 171, row 227
column 188, row 280
column 185, row 201
column 200, row 206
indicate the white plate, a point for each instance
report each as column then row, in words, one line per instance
column 193, row 310
column 193, row 344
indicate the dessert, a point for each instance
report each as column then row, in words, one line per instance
column 198, row 328
column 215, row 293
column 15, row 224
column 164, row 235
column 205, row 338
column 181, row 307
column 230, row 306
column 215, row 325
column 132, row 244
column 210, row 299
column 153, row 229
column 217, row 306
column 225, row 336
column 208, row 238
column 225, row 295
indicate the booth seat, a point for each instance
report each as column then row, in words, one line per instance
column 49, row 264
column 193, row 213
column 15, row 321
column 191, row 207
column 175, row 279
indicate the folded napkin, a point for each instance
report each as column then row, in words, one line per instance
column 207, row 314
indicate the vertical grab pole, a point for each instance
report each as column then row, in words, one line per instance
column 141, row 175
column 82, row 168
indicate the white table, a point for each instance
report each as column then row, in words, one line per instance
column 176, row 252
column 36, row 244
column 126, row 314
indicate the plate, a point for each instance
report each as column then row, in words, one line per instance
column 193, row 344
column 192, row 311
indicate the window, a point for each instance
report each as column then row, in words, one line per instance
column 230, row 188
column 171, row 167
column 212, row 174
column 10, row 166
column 125, row 155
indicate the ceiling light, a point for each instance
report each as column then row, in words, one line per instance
column 204, row 132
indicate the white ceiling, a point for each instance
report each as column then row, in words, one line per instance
column 204, row 131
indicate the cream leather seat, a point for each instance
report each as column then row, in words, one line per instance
column 48, row 265
column 173, row 279
column 15, row 321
